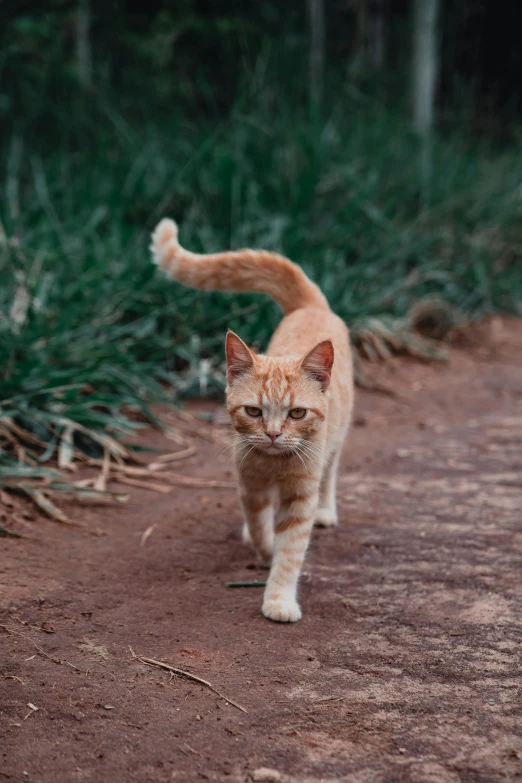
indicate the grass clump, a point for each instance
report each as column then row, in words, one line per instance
column 90, row 335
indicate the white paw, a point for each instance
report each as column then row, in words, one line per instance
column 281, row 610
column 245, row 535
column 326, row 517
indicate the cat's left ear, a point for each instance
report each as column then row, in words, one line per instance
column 318, row 363
column 240, row 359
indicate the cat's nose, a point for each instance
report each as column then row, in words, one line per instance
column 273, row 435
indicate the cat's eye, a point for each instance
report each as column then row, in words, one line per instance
column 297, row 413
column 254, row 412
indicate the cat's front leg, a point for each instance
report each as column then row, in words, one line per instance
column 292, row 534
column 258, row 530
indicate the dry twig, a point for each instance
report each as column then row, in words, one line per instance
column 189, row 425
column 175, row 456
column 147, row 533
column 183, row 673
column 45, row 505
column 32, row 709
column 143, row 484
column 100, row 483
column 42, row 652
column 177, row 479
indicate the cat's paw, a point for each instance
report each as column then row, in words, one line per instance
column 281, row 610
column 326, row 517
column 245, row 535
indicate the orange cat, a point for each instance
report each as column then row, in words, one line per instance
column 290, row 408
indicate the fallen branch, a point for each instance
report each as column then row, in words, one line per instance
column 175, row 456
column 142, row 484
column 159, row 463
column 45, row 505
column 100, row 482
column 189, row 425
column 167, row 476
column 177, row 479
column 188, row 481
column 183, row 673
column 42, row 652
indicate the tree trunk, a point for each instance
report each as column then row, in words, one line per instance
column 317, row 44
column 424, row 64
column 370, row 33
column 376, row 33
column 83, row 41
column 425, row 68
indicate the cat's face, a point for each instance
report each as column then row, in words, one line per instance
column 277, row 405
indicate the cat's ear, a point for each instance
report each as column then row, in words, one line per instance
column 240, row 359
column 318, row 363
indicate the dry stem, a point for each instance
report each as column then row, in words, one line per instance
column 183, row 673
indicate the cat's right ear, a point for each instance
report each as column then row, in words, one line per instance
column 240, row 359
column 318, row 363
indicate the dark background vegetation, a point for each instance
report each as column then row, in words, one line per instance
column 197, row 54
column 114, row 114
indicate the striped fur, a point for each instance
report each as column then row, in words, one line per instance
column 242, row 270
column 287, row 464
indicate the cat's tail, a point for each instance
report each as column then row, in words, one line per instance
column 238, row 270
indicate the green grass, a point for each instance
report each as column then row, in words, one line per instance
column 90, row 331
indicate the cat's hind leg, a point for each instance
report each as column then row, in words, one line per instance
column 258, row 527
column 326, row 514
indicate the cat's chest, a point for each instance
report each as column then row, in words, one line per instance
column 275, row 471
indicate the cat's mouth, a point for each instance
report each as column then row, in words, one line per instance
column 280, row 449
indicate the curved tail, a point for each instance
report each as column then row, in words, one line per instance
column 238, row 270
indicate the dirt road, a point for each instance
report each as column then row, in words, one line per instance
column 405, row 667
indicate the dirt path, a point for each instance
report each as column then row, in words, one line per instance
column 405, row 667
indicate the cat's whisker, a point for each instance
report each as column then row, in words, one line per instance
column 311, row 445
column 230, row 449
column 234, row 443
column 295, row 451
column 313, row 459
column 234, row 446
column 299, row 451
column 251, row 449
column 313, row 449
column 234, row 453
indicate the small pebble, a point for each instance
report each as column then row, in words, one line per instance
column 266, row 775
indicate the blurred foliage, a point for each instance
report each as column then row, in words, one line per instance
column 187, row 54
column 200, row 111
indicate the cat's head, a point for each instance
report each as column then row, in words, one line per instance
column 277, row 404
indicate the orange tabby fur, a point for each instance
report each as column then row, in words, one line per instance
column 287, row 465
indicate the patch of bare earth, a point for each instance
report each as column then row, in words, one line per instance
column 405, row 667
